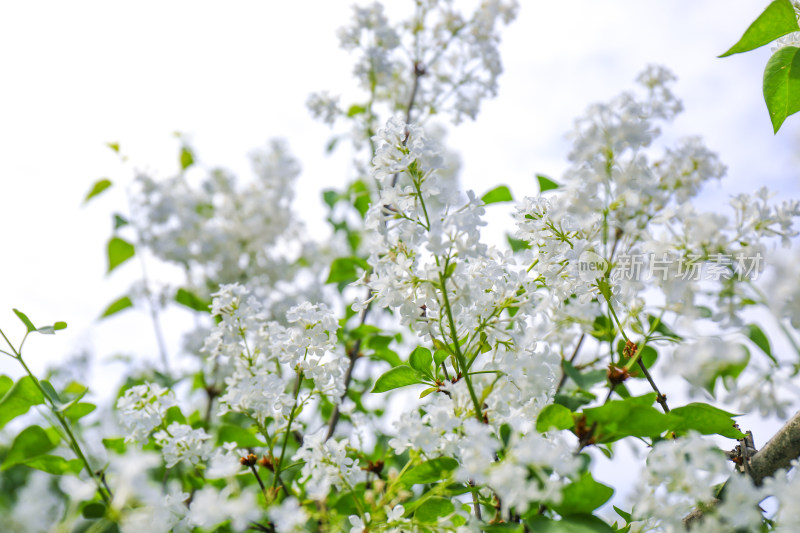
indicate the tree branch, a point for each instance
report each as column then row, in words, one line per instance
column 778, row 453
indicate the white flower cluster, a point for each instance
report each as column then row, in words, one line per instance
column 142, row 409
column 179, row 442
column 680, row 474
column 221, row 231
column 326, row 465
column 453, row 58
column 262, row 355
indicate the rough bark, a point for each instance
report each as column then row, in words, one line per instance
column 776, row 454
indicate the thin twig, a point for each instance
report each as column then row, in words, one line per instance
column 778, row 453
column 352, row 354
column 660, row 398
column 571, row 359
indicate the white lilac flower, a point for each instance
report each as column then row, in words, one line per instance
column 224, row 463
column 180, row 442
column 702, row 361
column 360, row 525
column 326, row 465
column 37, row 508
column 211, row 507
column 324, row 107
column 166, row 514
column 680, row 474
column 289, row 516
column 142, row 409
column 786, row 489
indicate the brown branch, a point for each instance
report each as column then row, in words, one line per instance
column 352, row 354
column 776, row 454
column 571, row 359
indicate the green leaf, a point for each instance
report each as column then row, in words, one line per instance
column 5, row 385
column 432, row 509
column 705, row 419
column 545, row 183
column 421, row 359
column 32, row 442
column 116, row 306
column 662, row 328
column 497, row 195
column 239, row 435
column 53, row 464
column 777, row 20
column 98, row 187
column 505, row 527
column 429, row 471
column 575, row 399
column 359, row 195
column 439, row 356
column 119, row 251
column 782, row 85
column 25, row 320
column 192, row 301
column 632, row 416
column 330, row 197
column 583, row 496
column 174, row 414
column 113, row 146
column 115, row 444
column 120, row 221
column 570, row 524
column 399, row 376
column 584, row 380
column 356, row 109
column 59, row 326
column 50, row 391
column 23, row 395
column 554, row 416
column 78, row 410
column 517, row 244
column 625, row 516
column 759, row 338
column 344, row 269
column 187, row 157
column 93, row 510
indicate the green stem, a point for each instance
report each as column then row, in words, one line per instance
column 288, row 428
column 459, row 356
column 73, row 442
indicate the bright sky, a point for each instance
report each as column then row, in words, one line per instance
column 77, row 75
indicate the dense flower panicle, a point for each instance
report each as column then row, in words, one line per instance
column 211, row 507
column 180, row 442
column 701, row 362
column 142, row 409
column 255, row 349
column 326, row 465
column 288, row 517
column 222, row 231
column 680, row 475
column 451, row 57
column 786, row 489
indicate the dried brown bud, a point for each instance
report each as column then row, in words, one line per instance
column 629, row 350
column 266, row 462
column 250, row 460
column 617, row 375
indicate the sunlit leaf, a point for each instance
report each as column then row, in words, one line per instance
column 119, row 251
column 782, row 85
column 99, row 187
column 777, row 20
